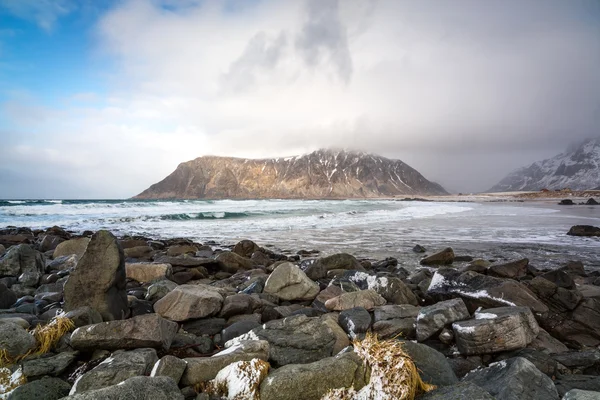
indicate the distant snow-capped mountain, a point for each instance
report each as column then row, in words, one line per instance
column 320, row 174
column 578, row 169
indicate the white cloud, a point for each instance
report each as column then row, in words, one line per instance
column 463, row 92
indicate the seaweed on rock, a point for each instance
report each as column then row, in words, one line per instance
column 394, row 375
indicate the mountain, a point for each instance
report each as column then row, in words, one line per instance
column 323, row 174
column 578, row 168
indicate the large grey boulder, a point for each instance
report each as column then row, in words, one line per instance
column 73, row 246
column 190, row 301
column 289, row 282
column 23, row 262
column 203, row 369
column 136, row 388
column 367, row 299
column 459, row 391
column 48, row 364
column 312, row 381
column 482, row 291
column 149, row 330
column 239, row 303
column 294, row 340
column 514, row 379
column 99, row 280
column 432, row 365
column 495, row 330
column 15, row 339
column 121, row 365
column 46, row 388
column 434, row 318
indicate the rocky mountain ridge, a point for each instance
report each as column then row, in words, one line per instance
column 322, row 174
column 578, row 168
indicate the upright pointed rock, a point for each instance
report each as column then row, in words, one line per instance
column 99, row 279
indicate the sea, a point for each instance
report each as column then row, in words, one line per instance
column 370, row 229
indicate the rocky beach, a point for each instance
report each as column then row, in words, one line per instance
column 93, row 316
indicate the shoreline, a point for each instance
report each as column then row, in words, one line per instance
column 174, row 304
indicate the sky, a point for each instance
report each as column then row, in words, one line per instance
column 100, row 99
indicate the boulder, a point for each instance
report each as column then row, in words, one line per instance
column 289, row 282
column 63, row 263
column 245, row 248
column 341, row 338
column 512, row 270
column 444, row 257
column 46, row 388
column 566, row 383
column 560, row 278
column 180, row 249
column 240, row 380
column 237, row 329
column 7, row 297
column 367, row 299
column 318, row 268
column 495, row 330
column 546, row 343
column 514, row 379
column 121, row 365
column 584, row 230
column 542, row 361
column 15, row 340
column 391, row 288
column 24, row 262
column 84, row 316
column 136, row 388
column 393, row 311
column 203, row 369
column 206, row 326
column 159, row 289
column 479, row 290
column 390, row 328
column 432, row 365
column 459, row 391
column 188, row 261
column 577, row 394
column 150, row 330
column 314, row 380
column 99, row 279
column 139, row 252
column 232, row 262
column 578, row 359
column 189, row 301
column 434, row 318
column 69, row 247
column 577, row 328
column 355, row 322
column 239, row 304
column 147, row 272
column 293, row 340
column 170, row 366
column 48, row 364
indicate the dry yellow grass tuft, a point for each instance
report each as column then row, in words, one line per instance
column 47, row 336
column 394, row 375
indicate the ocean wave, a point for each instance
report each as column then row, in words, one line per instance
column 13, row 203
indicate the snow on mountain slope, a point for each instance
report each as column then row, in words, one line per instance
column 577, row 169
